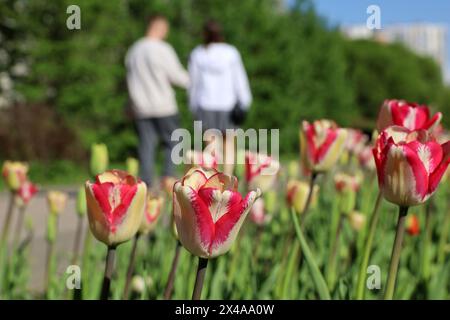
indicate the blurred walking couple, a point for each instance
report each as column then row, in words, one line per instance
column 217, row 84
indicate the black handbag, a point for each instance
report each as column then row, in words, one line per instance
column 238, row 114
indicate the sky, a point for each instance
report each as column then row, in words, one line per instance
column 348, row 12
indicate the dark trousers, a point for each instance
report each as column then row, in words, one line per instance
column 151, row 131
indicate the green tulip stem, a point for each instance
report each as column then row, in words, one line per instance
column 331, row 271
column 51, row 239
column 368, row 248
column 19, row 226
column 6, row 225
column 426, row 243
column 443, row 238
column 109, row 270
column 199, row 279
column 173, row 271
column 77, row 241
column 126, row 291
column 309, row 198
column 396, row 251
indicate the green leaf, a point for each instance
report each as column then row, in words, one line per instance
column 317, row 276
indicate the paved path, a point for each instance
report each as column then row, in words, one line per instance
column 38, row 212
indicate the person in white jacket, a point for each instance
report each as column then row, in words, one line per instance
column 218, row 83
column 152, row 68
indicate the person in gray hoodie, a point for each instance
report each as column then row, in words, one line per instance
column 152, row 68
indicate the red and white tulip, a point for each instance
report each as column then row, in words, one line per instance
column 25, row 193
column 410, row 164
column 116, row 203
column 260, row 171
column 152, row 212
column 209, row 211
column 405, row 114
column 15, row 174
column 258, row 213
column 322, row 143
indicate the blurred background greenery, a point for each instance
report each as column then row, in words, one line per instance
column 69, row 91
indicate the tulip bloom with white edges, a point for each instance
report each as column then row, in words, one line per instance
column 409, row 115
column 410, row 165
column 356, row 140
column 115, row 203
column 152, row 212
column 260, row 171
column 209, row 211
column 365, row 158
column 258, row 213
column 321, row 143
column 15, row 174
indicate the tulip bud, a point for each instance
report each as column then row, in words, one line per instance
column 138, row 284
column 322, row 143
column 81, row 202
column 258, row 214
column 99, row 158
column 152, row 212
column 115, row 206
column 25, row 193
column 410, row 165
column 57, row 202
column 356, row 140
column 297, row 194
column 15, row 174
column 409, row 115
column 346, row 186
column 365, row 158
column 260, row 171
column 52, row 227
column 132, row 166
column 209, row 211
column 357, row 220
column 412, row 225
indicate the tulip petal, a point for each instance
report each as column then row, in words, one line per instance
column 405, row 176
column 195, row 177
column 331, row 150
column 436, row 176
column 193, row 220
column 433, row 122
column 228, row 226
column 430, row 153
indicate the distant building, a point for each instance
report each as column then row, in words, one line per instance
column 423, row 38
